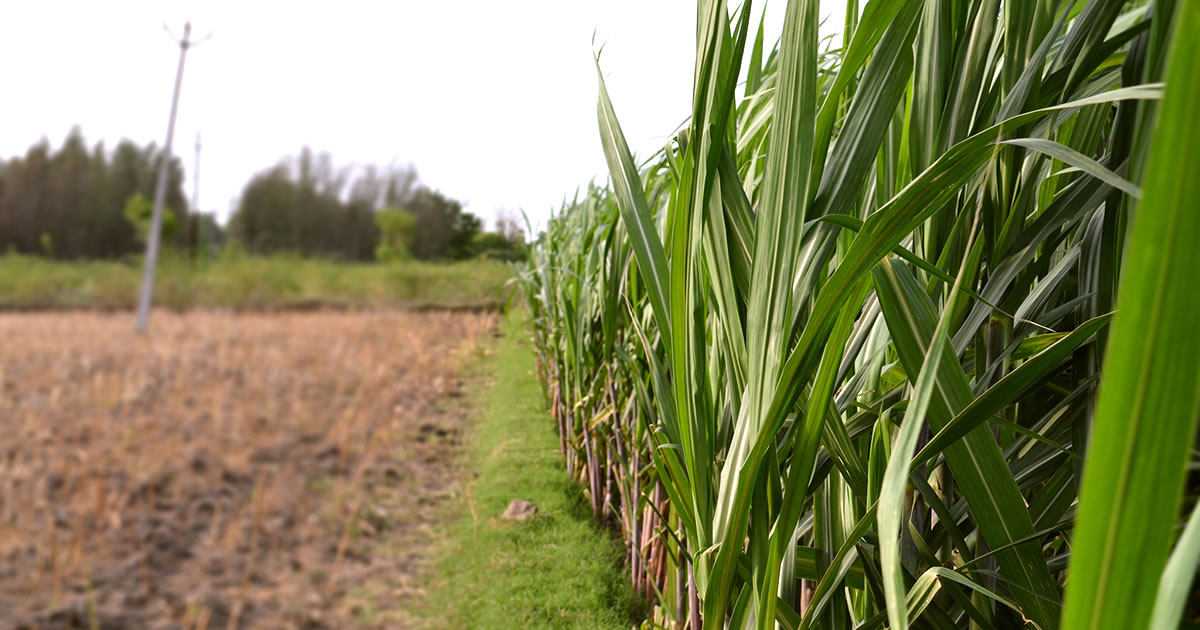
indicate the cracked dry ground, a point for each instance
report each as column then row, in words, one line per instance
column 225, row 471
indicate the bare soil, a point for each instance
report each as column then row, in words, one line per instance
column 225, row 471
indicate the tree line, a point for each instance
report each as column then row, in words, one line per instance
column 81, row 203
column 71, row 203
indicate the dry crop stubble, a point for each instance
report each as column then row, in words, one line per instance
column 227, row 470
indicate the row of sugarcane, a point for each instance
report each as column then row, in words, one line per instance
column 898, row 333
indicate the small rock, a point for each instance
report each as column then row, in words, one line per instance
column 520, row 510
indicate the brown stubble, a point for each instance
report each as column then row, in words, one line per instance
column 226, row 470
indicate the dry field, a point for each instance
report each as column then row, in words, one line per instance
column 226, row 471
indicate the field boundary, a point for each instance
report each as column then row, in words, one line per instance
column 556, row 570
column 254, row 284
column 303, row 306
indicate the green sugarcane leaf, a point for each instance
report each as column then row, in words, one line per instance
column 926, row 586
column 635, row 212
column 804, row 456
column 839, row 567
column 1177, row 578
column 980, row 471
column 1078, row 160
column 1149, row 394
column 895, row 479
column 778, row 225
column 1010, row 388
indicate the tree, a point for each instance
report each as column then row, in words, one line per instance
column 139, row 211
column 443, row 229
column 309, row 206
column 462, row 238
column 497, row 246
column 396, row 230
column 509, row 226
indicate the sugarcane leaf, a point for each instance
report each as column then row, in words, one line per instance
column 635, row 212
column 979, row 468
column 1010, row 388
column 895, row 479
column 1149, row 393
column 1177, row 578
column 1078, row 160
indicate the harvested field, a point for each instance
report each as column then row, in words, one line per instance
column 225, row 471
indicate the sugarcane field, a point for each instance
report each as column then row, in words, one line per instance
column 800, row 315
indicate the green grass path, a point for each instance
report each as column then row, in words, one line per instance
column 557, row 570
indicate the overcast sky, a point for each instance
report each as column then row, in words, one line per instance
column 494, row 103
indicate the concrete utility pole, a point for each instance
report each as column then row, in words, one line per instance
column 160, row 192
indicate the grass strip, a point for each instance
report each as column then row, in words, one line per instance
column 556, row 570
column 280, row 282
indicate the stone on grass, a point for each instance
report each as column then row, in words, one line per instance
column 520, row 510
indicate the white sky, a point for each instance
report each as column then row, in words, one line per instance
column 493, row 102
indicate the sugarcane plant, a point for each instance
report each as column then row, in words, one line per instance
column 898, row 332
